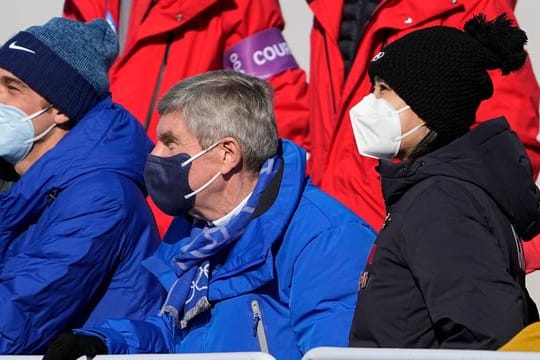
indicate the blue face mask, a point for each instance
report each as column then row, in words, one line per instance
column 17, row 132
column 167, row 181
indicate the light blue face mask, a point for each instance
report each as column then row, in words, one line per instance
column 17, row 132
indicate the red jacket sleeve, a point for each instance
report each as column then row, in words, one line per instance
column 531, row 252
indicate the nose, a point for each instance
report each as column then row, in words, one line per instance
column 159, row 150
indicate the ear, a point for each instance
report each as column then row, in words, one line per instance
column 59, row 117
column 231, row 155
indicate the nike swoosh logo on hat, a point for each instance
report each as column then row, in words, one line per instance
column 14, row 46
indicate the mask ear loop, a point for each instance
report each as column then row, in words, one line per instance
column 44, row 133
column 196, row 156
column 40, row 136
column 403, row 136
column 406, row 107
column 36, row 114
column 207, row 184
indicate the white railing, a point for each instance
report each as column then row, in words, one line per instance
column 334, row 353
column 325, row 353
column 198, row 356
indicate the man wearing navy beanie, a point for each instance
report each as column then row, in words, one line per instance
column 75, row 226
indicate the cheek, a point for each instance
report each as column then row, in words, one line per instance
column 4, row 99
column 392, row 99
column 409, row 120
column 200, row 173
column 25, row 102
column 42, row 123
column 397, row 103
column 7, row 99
column 195, row 177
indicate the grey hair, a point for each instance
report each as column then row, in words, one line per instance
column 225, row 103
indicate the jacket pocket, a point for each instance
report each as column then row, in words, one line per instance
column 258, row 326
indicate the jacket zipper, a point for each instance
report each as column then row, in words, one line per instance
column 258, row 328
column 519, row 249
column 327, row 55
column 158, row 83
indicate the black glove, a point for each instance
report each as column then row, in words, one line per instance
column 69, row 346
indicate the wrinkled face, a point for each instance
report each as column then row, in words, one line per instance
column 174, row 138
column 408, row 117
column 15, row 92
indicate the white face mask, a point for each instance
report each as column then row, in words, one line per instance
column 17, row 132
column 377, row 127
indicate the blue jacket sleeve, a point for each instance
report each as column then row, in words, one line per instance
column 53, row 271
column 325, row 285
column 153, row 335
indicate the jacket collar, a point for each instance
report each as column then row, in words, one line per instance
column 162, row 17
column 250, row 264
column 491, row 157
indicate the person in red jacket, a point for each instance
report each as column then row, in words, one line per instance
column 165, row 41
column 340, row 55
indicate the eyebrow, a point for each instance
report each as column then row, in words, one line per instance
column 167, row 137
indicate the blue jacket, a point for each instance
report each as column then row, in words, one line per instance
column 288, row 284
column 73, row 232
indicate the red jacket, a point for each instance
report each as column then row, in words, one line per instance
column 335, row 164
column 198, row 33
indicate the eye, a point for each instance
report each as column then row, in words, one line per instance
column 167, row 140
column 11, row 85
column 383, row 87
column 166, row 143
column 13, row 88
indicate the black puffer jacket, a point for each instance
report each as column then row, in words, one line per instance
column 447, row 269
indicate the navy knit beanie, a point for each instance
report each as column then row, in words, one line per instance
column 65, row 61
column 442, row 72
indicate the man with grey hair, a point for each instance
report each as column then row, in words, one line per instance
column 271, row 263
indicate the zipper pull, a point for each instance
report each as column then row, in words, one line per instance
column 256, row 316
column 258, row 327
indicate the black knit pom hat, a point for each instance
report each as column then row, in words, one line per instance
column 441, row 72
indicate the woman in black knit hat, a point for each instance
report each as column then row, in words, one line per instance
column 447, row 268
